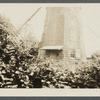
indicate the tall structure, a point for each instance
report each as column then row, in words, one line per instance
column 62, row 37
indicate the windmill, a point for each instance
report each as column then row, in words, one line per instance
column 62, row 37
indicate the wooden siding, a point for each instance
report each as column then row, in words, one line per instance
column 63, row 27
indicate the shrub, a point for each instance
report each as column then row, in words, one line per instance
column 87, row 75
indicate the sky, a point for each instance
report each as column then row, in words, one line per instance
column 19, row 13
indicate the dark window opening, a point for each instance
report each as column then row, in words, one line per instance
column 48, row 53
column 72, row 53
column 57, row 53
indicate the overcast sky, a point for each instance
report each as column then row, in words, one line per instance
column 19, row 13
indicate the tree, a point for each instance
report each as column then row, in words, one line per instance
column 6, row 25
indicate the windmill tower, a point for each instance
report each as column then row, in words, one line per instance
column 62, row 37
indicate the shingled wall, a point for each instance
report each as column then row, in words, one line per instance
column 63, row 27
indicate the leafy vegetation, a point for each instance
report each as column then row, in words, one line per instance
column 21, row 68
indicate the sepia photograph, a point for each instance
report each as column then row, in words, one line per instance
column 50, row 46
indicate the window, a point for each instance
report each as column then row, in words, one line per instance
column 57, row 53
column 78, row 55
column 72, row 53
column 48, row 53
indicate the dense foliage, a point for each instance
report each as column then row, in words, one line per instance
column 25, row 70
